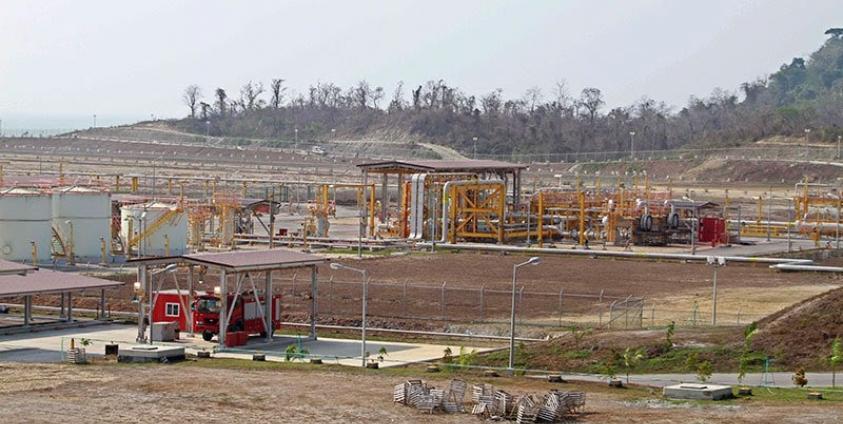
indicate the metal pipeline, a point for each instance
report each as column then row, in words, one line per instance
column 446, row 202
column 617, row 254
column 811, row 268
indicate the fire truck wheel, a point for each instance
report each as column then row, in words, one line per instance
column 207, row 336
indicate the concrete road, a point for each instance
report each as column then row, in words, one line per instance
column 775, row 379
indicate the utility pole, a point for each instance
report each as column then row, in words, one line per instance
column 769, row 206
column 632, row 145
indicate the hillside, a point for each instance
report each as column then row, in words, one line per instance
column 802, row 93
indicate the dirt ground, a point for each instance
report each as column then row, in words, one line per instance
column 190, row 392
column 675, row 290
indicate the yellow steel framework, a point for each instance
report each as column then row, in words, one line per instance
column 477, row 211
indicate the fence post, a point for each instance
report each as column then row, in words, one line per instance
column 601, row 295
column 561, row 294
column 442, row 301
column 404, row 299
column 520, row 296
column 293, row 293
column 331, row 296
column 483, row 302
column 653, row 316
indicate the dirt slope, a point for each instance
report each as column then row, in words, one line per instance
column 802, row 334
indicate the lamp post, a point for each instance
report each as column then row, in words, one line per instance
column 632, row 145
column 716, row 262
column 365, row 274
column 807, row 134
column 839, row 137
column 535, row 260
column 296, row 132
column 475, row 148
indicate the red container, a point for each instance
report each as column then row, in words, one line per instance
column 231, row 339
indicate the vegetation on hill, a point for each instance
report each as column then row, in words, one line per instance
column 802, row 94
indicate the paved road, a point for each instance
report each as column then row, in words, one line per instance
column 776, row 379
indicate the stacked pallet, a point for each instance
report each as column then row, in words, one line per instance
column 76, row 356
column 553, row 406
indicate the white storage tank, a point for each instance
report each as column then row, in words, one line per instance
column 164, row 224
column 25, row 217
column 82, row 216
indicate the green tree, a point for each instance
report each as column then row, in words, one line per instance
column 704, row 371
column 743, row 364
column 835, row 359
column 631, row 358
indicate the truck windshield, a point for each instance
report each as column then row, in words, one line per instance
column 208, row 306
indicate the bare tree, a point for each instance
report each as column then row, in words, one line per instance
column 533, row 97
column 191, row 97
column 221, row 102
column 249, row 96
column 278, row 91
column 398, row 102
column 591, row 99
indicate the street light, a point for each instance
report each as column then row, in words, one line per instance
column 475, row 147
column 632, row 144
column 839, row 137
column 296, row 131
column 535, row 260
column 716, row 262
column 365, row 274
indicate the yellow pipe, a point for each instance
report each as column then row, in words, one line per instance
column 540, row 219
column 581, row 197
column 372, row 212
column 117, row 184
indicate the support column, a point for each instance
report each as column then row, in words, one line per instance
column 384, row 196
column 102, row 304
column 142, row 282
column 62, row 314
column 314, row 302
column 223, row 323
column 190, row 291
column 268, row 306
column 69, row 307
column 150, row 295
column 27, row 310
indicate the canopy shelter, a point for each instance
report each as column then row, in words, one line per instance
column 238, row 270
column 14, row 268
column 509, row 173
column 53, row 282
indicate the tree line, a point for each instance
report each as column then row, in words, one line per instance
column 804, row 98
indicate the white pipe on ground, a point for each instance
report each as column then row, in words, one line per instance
column 618, row 254
column 811, row 268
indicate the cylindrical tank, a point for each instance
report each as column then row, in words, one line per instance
column 25, row 218
column 82, row 216
column 164, row 226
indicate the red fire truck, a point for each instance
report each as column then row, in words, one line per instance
column 246, row 315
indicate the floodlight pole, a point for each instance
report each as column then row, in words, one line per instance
column 365, row 274
column 531, row 261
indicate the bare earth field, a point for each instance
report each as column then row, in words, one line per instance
column 191, row 392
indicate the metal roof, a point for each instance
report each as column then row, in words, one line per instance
column 7, row 267
column 46, row 281
column 256, row 260
column 444, row 165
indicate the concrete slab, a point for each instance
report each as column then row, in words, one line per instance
column 47, row 346
column 151, row 353
column 347, row 351
column 698, row 391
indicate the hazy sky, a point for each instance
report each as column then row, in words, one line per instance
column 62, row 61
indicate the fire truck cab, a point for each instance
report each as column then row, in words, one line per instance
column 246, row 316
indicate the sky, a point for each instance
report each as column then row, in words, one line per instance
column 61, row 62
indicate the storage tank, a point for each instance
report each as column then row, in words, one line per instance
column 164, row 224
column 25, row 217
column 82, row 216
